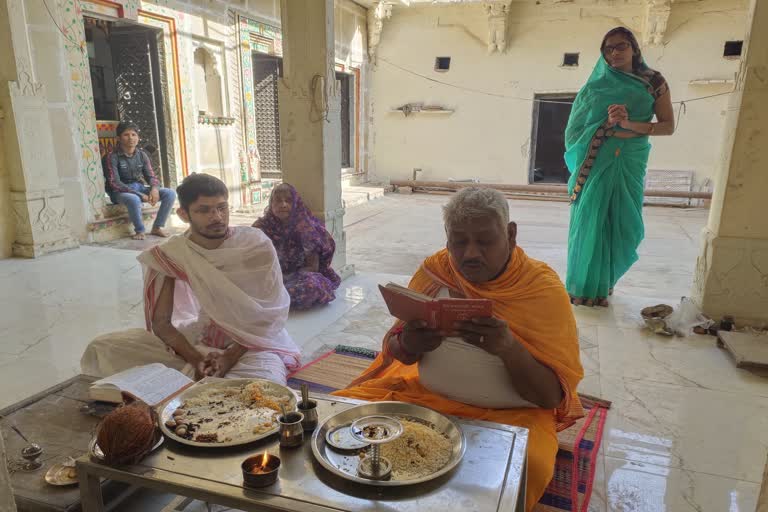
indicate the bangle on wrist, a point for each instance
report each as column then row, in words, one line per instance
column 651, row 129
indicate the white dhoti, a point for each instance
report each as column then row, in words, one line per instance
column 114, row 352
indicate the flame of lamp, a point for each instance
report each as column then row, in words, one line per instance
column 260, row 470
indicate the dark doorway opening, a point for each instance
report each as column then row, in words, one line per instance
column 347, row 106
column 550, row 118
column 267, row 70
column 127, row 80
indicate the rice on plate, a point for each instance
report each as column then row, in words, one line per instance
column 420, row 451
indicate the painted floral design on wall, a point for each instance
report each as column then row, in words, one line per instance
column 83, row 112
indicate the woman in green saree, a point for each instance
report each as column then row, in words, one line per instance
column 607, row 150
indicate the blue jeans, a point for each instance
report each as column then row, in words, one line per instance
column 133, row 203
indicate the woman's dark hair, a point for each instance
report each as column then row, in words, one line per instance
column 282, row 187
column 199, row 184
column 126, row 125
column 637, row 56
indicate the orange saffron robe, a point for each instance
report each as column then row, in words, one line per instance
column 530, row 297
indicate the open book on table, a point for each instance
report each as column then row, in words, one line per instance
column 152, row 384
column 439, row 313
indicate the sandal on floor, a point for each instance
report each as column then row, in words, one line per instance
column 590, row 303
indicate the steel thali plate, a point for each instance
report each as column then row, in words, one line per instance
column 244, row 437
column 344, row 463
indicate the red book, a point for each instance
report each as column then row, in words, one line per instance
column 408, row 305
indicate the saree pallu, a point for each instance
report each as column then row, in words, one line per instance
column 607, row 182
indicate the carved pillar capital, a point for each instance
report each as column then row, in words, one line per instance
column 498, row 22
column 381, row 11
column 655, row 17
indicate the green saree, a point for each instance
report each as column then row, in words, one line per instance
column 607, row 181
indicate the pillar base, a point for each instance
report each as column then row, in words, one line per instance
column 41, row 226
column 732, row 279
column 334, row 223
column 346, row 272
column 36, row 250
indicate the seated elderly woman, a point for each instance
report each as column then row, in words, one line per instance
column 304, row 247
column 519, row 368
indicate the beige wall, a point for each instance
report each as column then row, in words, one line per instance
column 489, row 137
column 214, row 149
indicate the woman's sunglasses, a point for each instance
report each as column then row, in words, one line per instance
column 608, row 49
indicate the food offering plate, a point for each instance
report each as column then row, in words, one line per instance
column 341, row 456
column 242, row 436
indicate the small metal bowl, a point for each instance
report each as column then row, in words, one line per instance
column 31, row 453
column 291, row 430
column 260, row 470
column 340, row 437
column 310, row 415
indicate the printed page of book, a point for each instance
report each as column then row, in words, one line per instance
column 151, row 384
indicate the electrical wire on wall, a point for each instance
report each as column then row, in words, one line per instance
column 68, row 39
column 681, row 111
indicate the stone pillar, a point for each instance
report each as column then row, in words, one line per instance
column 310, row 107
column 732, row 270
column 36, row 197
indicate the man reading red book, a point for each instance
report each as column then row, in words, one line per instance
column 520, row 367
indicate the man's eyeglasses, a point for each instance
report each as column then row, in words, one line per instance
column 608, row 49
column 221, row 209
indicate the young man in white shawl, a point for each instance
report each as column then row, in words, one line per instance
column 214, row 300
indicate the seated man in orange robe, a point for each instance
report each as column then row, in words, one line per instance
column 520, row 368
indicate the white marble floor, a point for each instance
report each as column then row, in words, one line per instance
column 688, row 431
column 51, row 308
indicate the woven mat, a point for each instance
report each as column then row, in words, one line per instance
column 571, row 486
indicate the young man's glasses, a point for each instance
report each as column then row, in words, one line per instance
column 222, row 209
column 608, row 49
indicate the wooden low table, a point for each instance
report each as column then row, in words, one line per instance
column 53, row 420
column 491, row 476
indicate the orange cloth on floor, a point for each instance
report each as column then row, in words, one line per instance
column 530, row 297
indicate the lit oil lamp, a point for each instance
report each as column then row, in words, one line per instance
column 260, row 470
